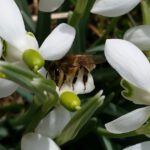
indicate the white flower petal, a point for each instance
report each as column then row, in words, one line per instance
column 53, row 124
column 130, row 121
column 58, row 43
column 32, row 41
column 34, row 141
column 11, row 24
column 113, row 8
column 49, row 5
column 139, row 146
column 44, row 73
column 7, row 87
column 65, row 87
column 129, row 62
column 80, row 87
column 14, row 54
column 140, row 36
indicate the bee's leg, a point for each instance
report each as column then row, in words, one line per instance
column 61, row 78
column 85, row 77
column 75, row 77
column 56, row 76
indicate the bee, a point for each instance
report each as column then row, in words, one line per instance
column 66, row 70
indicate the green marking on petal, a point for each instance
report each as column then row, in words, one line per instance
column 30, row 34
column 70, row 101
column 33, row 59
column 127, row 92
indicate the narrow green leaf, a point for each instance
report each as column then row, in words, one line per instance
column 107, row 143
column 145, row 4
column 24, row 8
column 43, row 26
column 79, row 20
column 99, row 48
column 79, row 120
column 28, row 21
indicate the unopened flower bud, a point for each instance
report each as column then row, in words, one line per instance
column 33, row 59
column 70, row 101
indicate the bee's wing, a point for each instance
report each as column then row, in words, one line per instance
column 99, row 59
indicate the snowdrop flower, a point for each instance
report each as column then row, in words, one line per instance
column 55, row 121
column 19, row 44
column 140, row 36
column 34, row 141
column 113, row 8
column 134, row 68
column 139, row 146
column 108, row 8
column 17, row 38
column 55, row 46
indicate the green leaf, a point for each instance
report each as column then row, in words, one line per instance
column 145, row 4
column 114, row 110
column 43, row 26
column 28, row 21
column 79, row 20
column 23, row 6
column 107, row 143
column 99, row 48
column 79, row 119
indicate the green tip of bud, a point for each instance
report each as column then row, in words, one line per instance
column 77, row 107
column 33, row 59
column 70, row 101
column 30, row 34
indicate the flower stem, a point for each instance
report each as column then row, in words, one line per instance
column 79, row 20
column 82, row 9
column 78, row 12
column 145, row 5
column 103, row 132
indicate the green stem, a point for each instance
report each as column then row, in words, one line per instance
column 26, row 118
column 80, row 11
column 145, row 5
column 103, row 132
column 79, row 20
column 45, row 94
column 20, row 70
column 41, row 112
